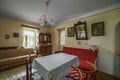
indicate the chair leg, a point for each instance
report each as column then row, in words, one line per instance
column 27, row 71
column 94, row 75
column 28, row 68
column 89, row 76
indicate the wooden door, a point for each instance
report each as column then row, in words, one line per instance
column 117, row 50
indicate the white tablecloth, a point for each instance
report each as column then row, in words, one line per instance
column 56, row 65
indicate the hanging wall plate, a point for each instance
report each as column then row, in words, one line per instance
column 7, row 36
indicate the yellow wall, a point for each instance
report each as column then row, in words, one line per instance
column 8, row 26
column 106, row 44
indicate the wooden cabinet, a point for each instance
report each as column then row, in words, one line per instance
column 45, row 50
column 44, row 38
column 45, row 47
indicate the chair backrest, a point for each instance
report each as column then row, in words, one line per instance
column 15, row 52
column 28, row 68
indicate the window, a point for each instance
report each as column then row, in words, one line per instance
column 62, row 37
column 30, row 38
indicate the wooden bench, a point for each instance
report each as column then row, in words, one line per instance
column 14, row 57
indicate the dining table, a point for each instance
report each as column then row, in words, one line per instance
column 54, row 66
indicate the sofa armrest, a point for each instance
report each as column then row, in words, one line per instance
column 58, row 51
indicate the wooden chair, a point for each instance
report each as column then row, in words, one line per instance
column 75, row 74
column 31, row 74
column 87, row 73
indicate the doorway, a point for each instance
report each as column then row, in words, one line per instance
column 117, row 50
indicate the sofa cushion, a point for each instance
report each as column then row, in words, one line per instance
column 85, row 66
column 88, row 55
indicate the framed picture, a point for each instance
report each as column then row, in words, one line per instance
column 98, row 29
column 81, row 31
column 70, row 31
column 16, row 35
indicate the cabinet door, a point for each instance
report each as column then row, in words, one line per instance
column 44, row 38
column 48, row 50
column 42, row 50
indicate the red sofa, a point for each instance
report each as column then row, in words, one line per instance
column 83, row 55
column 87, row 59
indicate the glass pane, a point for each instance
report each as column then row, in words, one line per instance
column 29, row 39
column 62, row 37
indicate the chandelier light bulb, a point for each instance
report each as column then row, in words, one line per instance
column 45, row 20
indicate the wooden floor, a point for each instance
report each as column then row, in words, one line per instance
column 103, row 76
column 15, row 73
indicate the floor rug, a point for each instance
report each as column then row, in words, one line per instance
column 24, row 78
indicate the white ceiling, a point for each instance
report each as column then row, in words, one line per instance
column 60, row 10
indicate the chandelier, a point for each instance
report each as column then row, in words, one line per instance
column 45, row 20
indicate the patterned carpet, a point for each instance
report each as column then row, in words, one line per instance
column 36, row 78
column 13, row 74
column 18, row 73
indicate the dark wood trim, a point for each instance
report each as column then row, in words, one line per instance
column 29, row 26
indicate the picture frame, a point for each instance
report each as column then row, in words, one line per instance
column 16, row 35
column 81, row 30
column 71, row 31
column 98, row 29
